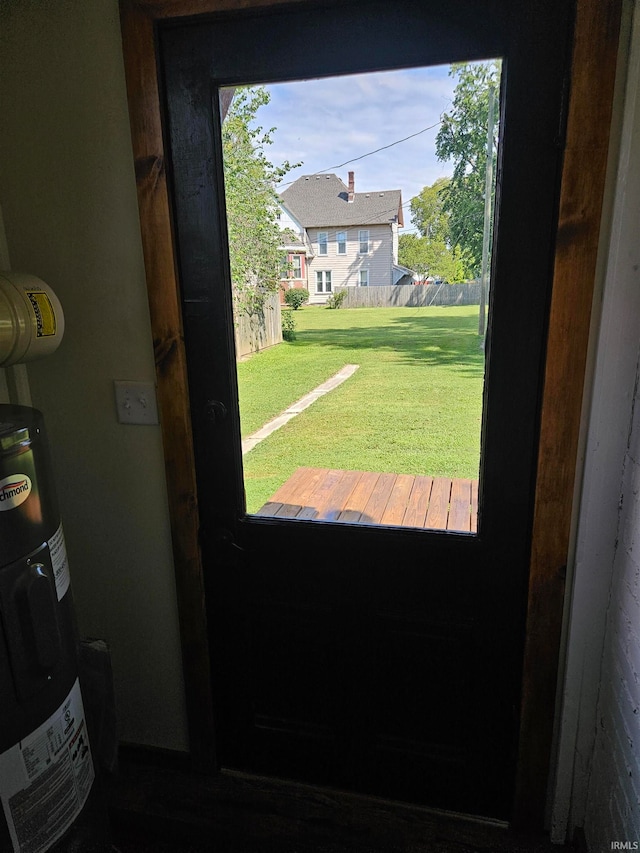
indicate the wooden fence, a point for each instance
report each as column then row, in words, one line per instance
column 410, row 295
column 259, row 331
column 263, row 330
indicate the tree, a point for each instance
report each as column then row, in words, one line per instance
column 462, row 139
column 413, row 253
column 250, row 180
column 429, row 257
column 432, row 253
column 428, row 213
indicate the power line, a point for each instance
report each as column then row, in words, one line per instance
column 389, row 210
column 384, row 147
column 369, row 153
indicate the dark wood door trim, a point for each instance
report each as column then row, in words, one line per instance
column 171, row 371
column 590, row 103
column 587, row 144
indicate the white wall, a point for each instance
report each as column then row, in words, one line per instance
column 67, row 190
column 288, row 221
column 613, row 801
column 598, row 773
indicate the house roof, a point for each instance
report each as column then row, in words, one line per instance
column 291, row 240
column 323, row 200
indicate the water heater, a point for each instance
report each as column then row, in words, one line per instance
column 31, row 318
column 46, row 767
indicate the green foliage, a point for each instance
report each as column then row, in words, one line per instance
column 427, row 256
column 296, row 297
column 428, row 213
column 462, row 140
column 288, row 326
column 336, row 299
column 434, row 252
column 250, row 180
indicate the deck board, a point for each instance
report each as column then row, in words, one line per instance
column 398, row 500
column 367, row 497
column 359, row 497
column 460, row 506
column 322, row 496
column 474, row 506
column 299, row 486
column 418, row 504
column 377, row 503
column 340, row 495
column 438, row 512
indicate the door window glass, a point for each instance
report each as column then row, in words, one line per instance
column 370, row 413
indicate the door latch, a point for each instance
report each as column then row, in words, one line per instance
column 219, row 538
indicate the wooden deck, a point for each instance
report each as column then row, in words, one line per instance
column 364, row 497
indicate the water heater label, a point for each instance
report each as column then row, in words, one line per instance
column 46, row 778
column 59, row 562
column 14, row 490
column 44, row 313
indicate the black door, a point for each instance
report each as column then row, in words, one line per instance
column 382, row 660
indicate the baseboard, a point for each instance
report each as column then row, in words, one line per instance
column 580, row 840
column 154, row 756
column 157, row 794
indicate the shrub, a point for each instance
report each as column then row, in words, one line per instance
column 336, row 299
column 296, row 297
column 288, row 325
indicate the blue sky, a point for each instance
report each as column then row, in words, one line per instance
column 327, row 122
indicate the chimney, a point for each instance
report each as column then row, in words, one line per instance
column 351, row 185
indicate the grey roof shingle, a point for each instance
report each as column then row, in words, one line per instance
column 322, row 200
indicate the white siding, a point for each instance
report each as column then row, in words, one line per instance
column 287, row 221
column 345, row 269
column 613, row 802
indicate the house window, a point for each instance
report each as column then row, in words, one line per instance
column 323, row 281
column 323, row 241
column 341, row 242
column 364, row 278
column 285, row 267
column 296, row 266
column 363, row 239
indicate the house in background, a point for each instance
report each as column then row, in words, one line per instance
column 297, row 253
column 351, row 238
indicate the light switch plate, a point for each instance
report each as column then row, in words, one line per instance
column 136, row 402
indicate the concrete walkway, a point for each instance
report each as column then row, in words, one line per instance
column 303, row 403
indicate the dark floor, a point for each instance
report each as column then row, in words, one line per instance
column 158, row 809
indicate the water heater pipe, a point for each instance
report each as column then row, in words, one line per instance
column 31, row 318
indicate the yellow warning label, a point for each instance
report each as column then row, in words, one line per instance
column 43, row 309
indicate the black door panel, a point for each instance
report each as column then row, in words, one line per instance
column 385, row 661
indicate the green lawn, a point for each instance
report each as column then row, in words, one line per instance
column 414, row 406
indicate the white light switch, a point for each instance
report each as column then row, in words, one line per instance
column 136, row 402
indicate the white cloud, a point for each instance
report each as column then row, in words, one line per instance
column 327, row 122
